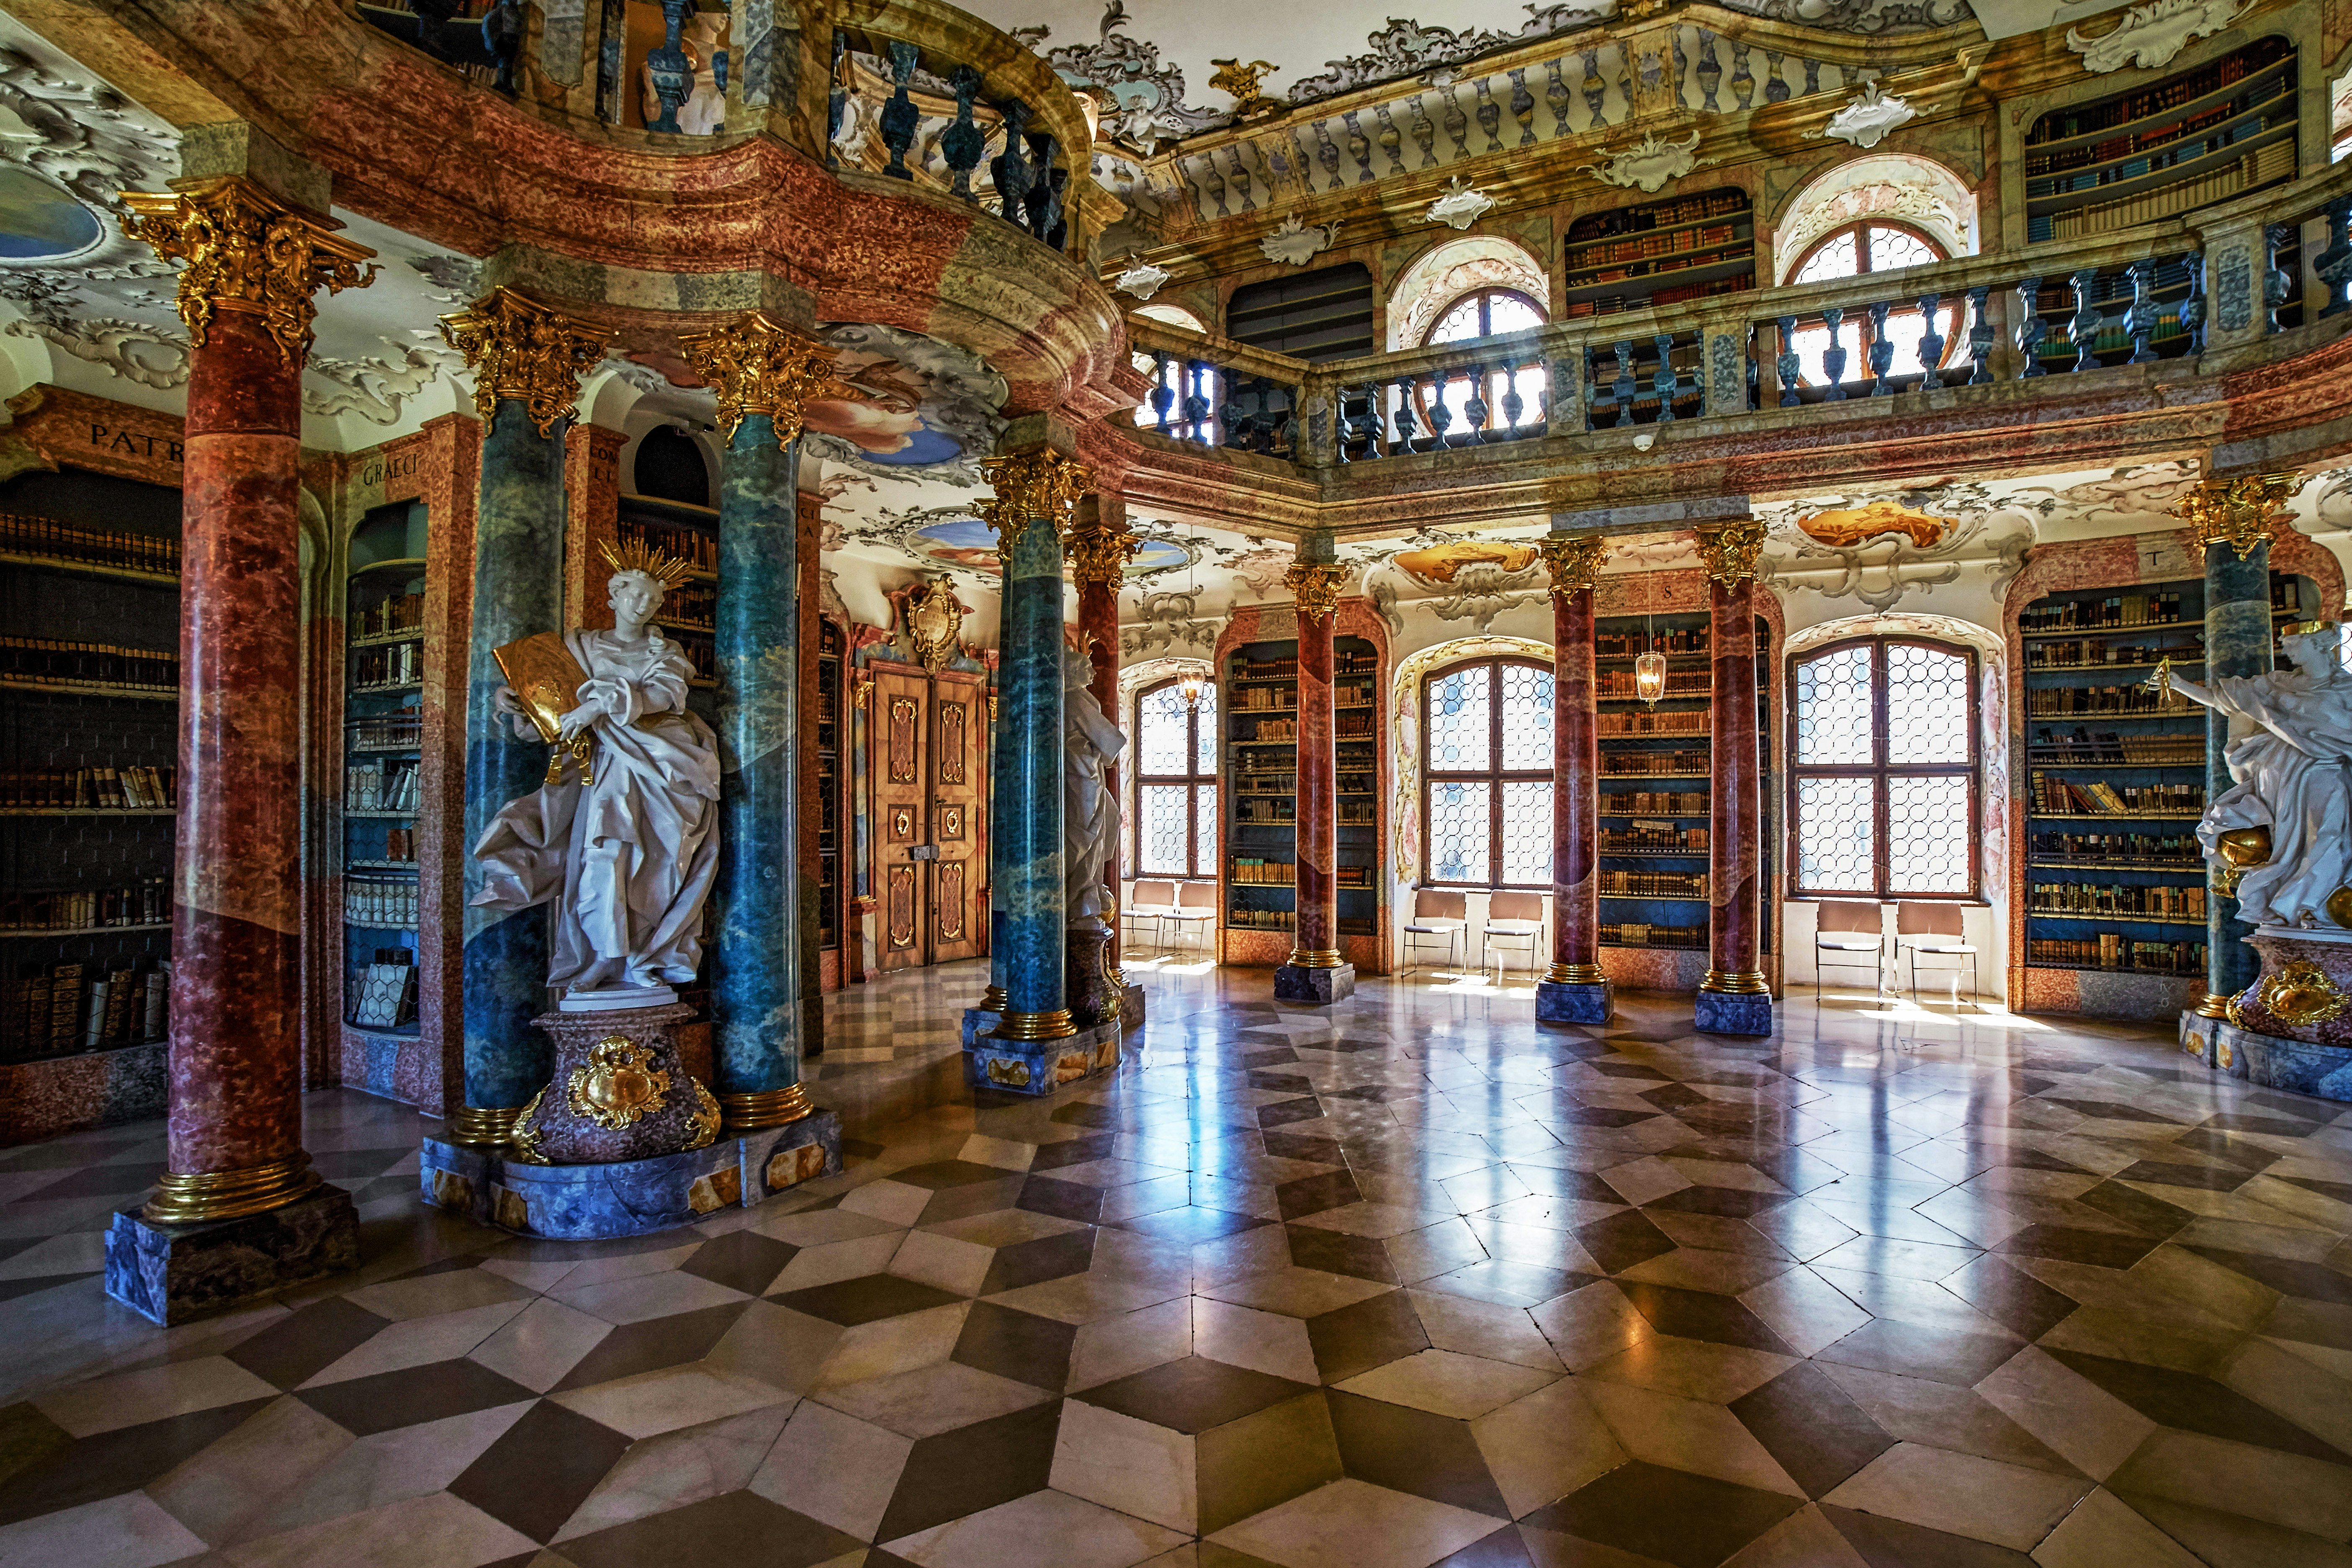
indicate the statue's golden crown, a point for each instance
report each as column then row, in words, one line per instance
column 635, row 555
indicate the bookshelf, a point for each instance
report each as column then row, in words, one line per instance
column 383, row 722
column 1660, row 252
column 90, row 611
column 1259, row 704
column 1656, row 804
column 2113, row 883
column 2195, row 138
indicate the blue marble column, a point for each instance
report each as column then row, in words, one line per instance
column 757, row 970
column 1000, row 835
column 2237, row 643
column 518, row 591
column 1025, row 864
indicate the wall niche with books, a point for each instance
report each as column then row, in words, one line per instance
column 90, row 616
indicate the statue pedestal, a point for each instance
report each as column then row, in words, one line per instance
column 619, row 1091
column 2292, row 1028
column 627, row 1197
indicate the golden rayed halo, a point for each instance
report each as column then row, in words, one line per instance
column 2304, row 628
column 635, row 556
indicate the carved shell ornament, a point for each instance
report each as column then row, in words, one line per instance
column 1866, row 118
column 1142, row 280
column 1460, row 206
column 2150, row 36
column 1650, row 163
column 1295, row 244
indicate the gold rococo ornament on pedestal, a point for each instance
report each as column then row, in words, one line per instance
column 531, row 353
column 245, row 250
column 2299, row 995
column 1574, row 562
column 2236, row 512
column 1316, row 588
column 759, row 366
column 1729, row 552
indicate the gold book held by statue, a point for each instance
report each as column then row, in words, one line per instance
column 546, row 680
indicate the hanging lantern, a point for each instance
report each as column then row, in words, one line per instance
column 1189, row 684
column 1649, row 677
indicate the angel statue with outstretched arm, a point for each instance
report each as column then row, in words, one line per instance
column 625, row 845
column 2293, row 779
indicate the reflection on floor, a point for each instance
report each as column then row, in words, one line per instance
column 1401, row 1282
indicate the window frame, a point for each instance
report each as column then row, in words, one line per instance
column 1861, row 252
column 1485, row 295
column 1195, row 781
column 1493, row 775
column 1879, row 770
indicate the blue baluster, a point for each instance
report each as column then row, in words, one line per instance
column 1441, row 417
column 900, row 117
column 1834, row 356
column 2278, row 284
column 1882, row 352
column 1513, row 405
column 2031, row 331
column 1790, row 367
column 1196, row 402
column 1624, row 388
column 1474, row 408
column 2192, row 307
column 837, row 100
column 1163, row 395
column 1663, row 382
column 1979, row 336
column 1405, row 421
column 2139, row 318
column 1236, row 420
column 1010, row 168
column 2333, row 265
column 961, row 144
column 2089, row 319
column 1931, row 341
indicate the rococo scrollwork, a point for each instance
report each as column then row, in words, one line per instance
column 757, row 366
column 1036, row 485
column 1574, row 562
column 1729, row 553
column 1316, row 588
column 521, row 349
column 1098, row 553
column 2236, row 512
column 245, row 250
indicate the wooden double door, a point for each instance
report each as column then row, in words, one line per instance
column 930, row 833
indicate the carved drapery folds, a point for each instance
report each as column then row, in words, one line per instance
column 245, row 250
column 1038, row 484
column 757, row 366
column 532, row 353
column 1316, row 588
column 1729, row 552
column 1574, row 562
column 1098, row 553
column 2236, row 512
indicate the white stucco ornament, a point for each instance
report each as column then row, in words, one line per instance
column 1295, row 243
column 1460, row 206
column 2150, row 34
column 1650, row 163
column 1867, row 117
column 1142, row 280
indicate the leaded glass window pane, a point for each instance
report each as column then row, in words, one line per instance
column 1926, row 706
column 1460, row 736
column 1835, row 260
column 1891, row 248
column 1526, row 832
column 1163, row 848
column 1206, row 723
column 1204, row 823
column 1527, row 718
column 1833, row 708
column 1458, row 831
column 1928, row 834
column 1834, row 834
column 1160, row 746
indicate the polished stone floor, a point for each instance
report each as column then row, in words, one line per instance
column 1401, row 1282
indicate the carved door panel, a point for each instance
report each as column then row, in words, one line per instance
column 959, row 769
column 902, row 775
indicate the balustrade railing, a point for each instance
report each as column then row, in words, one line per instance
column 1213, row 391
column 1645, row 379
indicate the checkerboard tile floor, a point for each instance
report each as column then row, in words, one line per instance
column 1398, row 1283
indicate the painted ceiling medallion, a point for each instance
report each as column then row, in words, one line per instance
column 1295, row 244
column 1868, row 115
column 1460, row 206
column 1142, row 279
column 1650, row 163
column 2150, row 34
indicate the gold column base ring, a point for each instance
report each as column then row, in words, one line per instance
column 1575, row 975
column 1735, row 982
column 2214, row 1006
column 227, row 1195
column 1055, row 1025
column 483, row 1124
column 763, row 1108
column 1315, row 959
column 993, row 1000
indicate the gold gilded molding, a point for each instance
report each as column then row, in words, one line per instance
column 224, row 1195
column 1098, row 553
column 531, row 353
column 935, row 620
column 484, row 1126
column 764, row 1108
column 757, row 366
column 702, row 1122
column 619, row 1083
column 1036, row 485
column 1735, row 982
column 523, row 1133
column 2302, row 993
column 2236, row 512
column 1574, row 562
column 1316, row 588
column 245, row 250
column 1729, row 552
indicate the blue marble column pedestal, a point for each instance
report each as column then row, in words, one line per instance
column 1732, row 1013
column 627, row 1197
column 1036, row 1066
column 1558, row 1001
column 2267, row 1061
column 170, row 1273
column 1294, row 983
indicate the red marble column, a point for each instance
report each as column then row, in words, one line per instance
column 1099, row 547
column 1573, row 989
column 1316, row 971
column 1733, row 999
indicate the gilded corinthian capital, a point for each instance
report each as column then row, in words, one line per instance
column 759, row 367
column 1574, row 563
column 1098, row 553
column 1316, row 588
column 245, row 250
column 1036, row 485
column 2236, row 512
column 534, row 353
column 1729, row 552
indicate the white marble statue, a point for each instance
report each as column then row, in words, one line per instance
column 2292, row 774
column 627, row 860
column 1091, row 744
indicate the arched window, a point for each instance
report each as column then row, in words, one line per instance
column 1486, row 728
column 1175, row 781
column 1482, row 313
column 1882, row 768
column 1874, row 245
